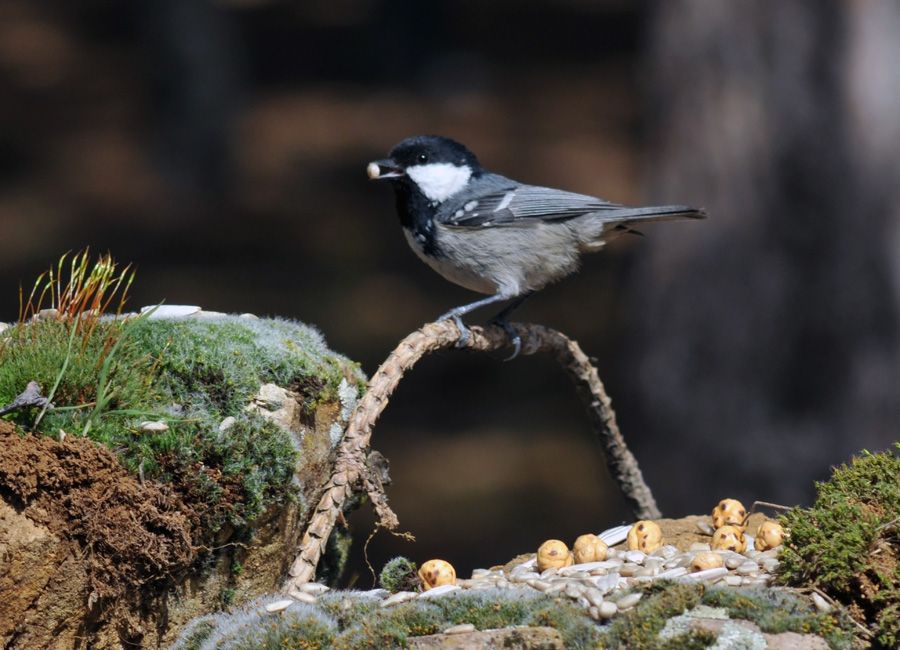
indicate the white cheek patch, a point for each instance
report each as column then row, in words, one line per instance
column 439, row 181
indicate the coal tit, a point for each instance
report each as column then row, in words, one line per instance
column 495, row 235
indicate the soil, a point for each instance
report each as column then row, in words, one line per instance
column 78, row 531
column 134, row 535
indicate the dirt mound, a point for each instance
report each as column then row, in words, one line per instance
column 132, row 535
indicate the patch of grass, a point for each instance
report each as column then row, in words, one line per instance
column 848, row 543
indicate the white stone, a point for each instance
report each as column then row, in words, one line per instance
column 303, row 597
column 226, row 424
column 636, row 557
column 628, row 569
column 705, row 575
column 607, row 609
column 279, row 605
column 588, row 567
column 673, row 573
column 157, row 426
column 821, row 604
column 748, row 568
column 314, row 588
column 698, row 546
column 668, row 551
column 399, row 597
column 438, row 591
column 733, row 581
column 249, row 316
column 161, row 312
column 629, row 600
column 372, row 593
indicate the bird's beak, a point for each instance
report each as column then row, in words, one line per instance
column 384, row 169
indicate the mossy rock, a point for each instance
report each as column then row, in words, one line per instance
column 353, row 622
column 848, row 543
column 153, row 524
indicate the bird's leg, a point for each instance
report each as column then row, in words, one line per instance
column 502, row 319
column 457, row 313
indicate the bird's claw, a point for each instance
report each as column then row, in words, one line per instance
column 514, row 339
column 464, row 333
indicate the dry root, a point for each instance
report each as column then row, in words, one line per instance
column 352, row 471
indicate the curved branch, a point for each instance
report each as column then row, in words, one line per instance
column 351, row 471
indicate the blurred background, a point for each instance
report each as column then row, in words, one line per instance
column 221, row 147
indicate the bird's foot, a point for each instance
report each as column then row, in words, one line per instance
column 464, row 333
column 514, row 338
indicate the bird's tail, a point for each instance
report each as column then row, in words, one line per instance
column 625, row 215
column 599, row 227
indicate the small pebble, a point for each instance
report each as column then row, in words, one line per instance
column 313, row 588
column 373, row 593
column 733, row 561
column 303, row 597
column 540, row 585
column 646, row 572
column 154, row 427
column 279, row 606
column 400, row 597
column 668, row 551
column 594, row 596
column 733, row 581
column 673, row 573
column 607, row 609
column 434, row 592
column 821, row 604
column 594, row 613
column 462, row 628
column 748, row 568
column 635, row 557
column 628, row 569
column 698, row 546
column 629, row 601
column 227, row 424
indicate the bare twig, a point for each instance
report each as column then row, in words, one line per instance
column 351, row 470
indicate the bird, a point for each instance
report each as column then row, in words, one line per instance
column 494, row 235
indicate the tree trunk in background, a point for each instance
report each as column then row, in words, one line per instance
column 764, row 342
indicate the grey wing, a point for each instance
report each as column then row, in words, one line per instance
column 521, row 205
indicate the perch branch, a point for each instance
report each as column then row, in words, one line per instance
column 351, row 470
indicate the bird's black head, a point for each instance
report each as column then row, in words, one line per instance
column 437, row 166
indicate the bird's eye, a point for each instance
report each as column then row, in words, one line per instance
column 423, row 158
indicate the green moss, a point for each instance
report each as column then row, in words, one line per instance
column 776, row 611
column 354, row 623
column 197, row 631
column 190, row 373
column 640, row 627
column 847, row 544
column 399, row 574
